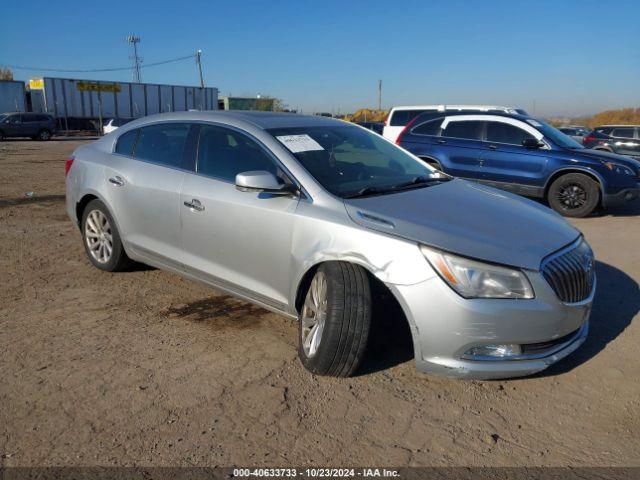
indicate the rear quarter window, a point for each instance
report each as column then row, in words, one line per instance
column 126, row 142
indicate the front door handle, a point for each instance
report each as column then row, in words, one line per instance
column 117, row 181
column 492, row 147
column 194, row 205
column 441, row 141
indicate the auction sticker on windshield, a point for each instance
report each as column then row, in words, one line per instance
column 300, row 143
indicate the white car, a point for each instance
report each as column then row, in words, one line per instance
column 113, row 124
column 399, row 116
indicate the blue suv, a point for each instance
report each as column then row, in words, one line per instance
column 523, row 155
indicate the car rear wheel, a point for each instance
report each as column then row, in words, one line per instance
column 335, row 320
column 1, row 135
column 44, row 135
column 101, row 238
column 574, row 195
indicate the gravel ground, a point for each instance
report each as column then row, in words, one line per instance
column 145, row 368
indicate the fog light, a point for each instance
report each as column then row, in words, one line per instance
column 495, row 351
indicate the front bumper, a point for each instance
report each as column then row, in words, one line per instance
column 444, row 326
column 623, row 196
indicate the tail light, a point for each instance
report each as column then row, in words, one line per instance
column 588, row 138
column 67, row 165
column 404, row 130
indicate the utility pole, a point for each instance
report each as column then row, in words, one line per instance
column 379, row 94
column 199, row 62
column 134, row 40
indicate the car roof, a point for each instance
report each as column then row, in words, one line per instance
column 631, row 126
column 263, row 120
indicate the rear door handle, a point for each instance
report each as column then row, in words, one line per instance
column 441, row 141
column 117, row 181
column 492, row 147
column 194, row 205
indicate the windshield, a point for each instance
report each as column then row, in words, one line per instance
column 3, row 116
column 352, row 162
column 555, row 135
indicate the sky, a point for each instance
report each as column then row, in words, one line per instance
column 553, row 58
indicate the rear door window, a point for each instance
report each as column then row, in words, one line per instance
column 622, row 132
column 223, row 153
column 162, row 144
column 432, row 127
column 126, row 142
column 400, row 118
column 467, row 129
column 29, row 118
column 504, row 133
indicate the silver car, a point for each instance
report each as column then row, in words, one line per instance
column 318, row 220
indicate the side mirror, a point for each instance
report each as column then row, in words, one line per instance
column 532, row 143
column 262, row 181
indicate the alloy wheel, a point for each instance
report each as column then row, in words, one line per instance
column 314, row 314
column 97, row 234
column 572, row 196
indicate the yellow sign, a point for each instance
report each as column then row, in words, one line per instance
column 97, row 87
column 36, row 84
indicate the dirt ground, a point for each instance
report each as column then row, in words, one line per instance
column 145, row 368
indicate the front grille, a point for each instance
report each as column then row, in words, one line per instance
column 542, row 347
column 571, row 273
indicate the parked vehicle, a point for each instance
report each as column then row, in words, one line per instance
column 373, row 126
column 575, row 131
column 523, row 155
column 399, row 117
column 34, row 125
column 306, row 216
column 621, row 139
column 113, row 123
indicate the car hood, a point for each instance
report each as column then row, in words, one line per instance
column 604, row 157
column 470, row 220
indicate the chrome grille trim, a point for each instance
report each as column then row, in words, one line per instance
column 570, row 272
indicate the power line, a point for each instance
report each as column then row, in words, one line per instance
column 96, row 70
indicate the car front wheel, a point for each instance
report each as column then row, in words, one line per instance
column 335, row 320
column 44, row 135
column 574, row 195
column 101, row 238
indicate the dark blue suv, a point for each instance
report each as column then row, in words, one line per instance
column 523, row 155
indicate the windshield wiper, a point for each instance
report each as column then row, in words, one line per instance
column 418, row 182
column 366, row 191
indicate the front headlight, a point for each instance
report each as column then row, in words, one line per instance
column 619, row 169
column 474, row 279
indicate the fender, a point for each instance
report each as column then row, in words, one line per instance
column 569, row 169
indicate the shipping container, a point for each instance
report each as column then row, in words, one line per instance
column 12, row 96
column 74, row 98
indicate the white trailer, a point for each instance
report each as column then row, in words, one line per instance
column 98, row 99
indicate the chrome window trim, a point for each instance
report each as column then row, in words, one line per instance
column 292, row 178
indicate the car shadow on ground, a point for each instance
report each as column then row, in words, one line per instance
column 616, row 303
column 631, row 209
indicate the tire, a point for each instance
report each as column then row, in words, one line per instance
column 44, row 135
column 95, row 238
column 345, row 320
column 603, row 149
column 574, row 195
